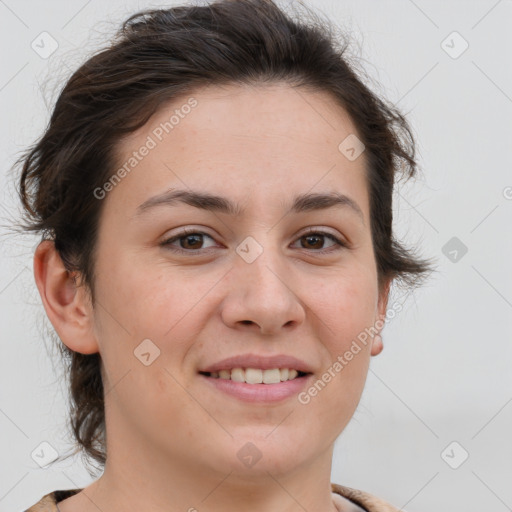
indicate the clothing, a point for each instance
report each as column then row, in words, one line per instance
column 361, row 500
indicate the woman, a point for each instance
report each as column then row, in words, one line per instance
column 214, row 191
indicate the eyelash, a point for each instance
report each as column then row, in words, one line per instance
column 187, row 232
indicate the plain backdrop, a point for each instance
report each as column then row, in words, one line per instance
column 432, row 431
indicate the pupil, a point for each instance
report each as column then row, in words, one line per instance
column 309, row 237
column 189, row 237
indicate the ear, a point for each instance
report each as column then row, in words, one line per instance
column 67, row 303
column 377, row 345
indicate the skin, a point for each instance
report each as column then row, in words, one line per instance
column 259, row 146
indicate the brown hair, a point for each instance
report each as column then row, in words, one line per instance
column 156, row 56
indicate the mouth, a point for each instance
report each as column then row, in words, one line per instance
column 255, row 385
column 257, row 375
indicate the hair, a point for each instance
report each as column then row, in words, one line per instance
column 155, row 57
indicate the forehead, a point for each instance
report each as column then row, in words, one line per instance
column 258, row 141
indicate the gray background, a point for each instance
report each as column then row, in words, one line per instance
column 444, row 375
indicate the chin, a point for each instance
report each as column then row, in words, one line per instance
column 267, row 451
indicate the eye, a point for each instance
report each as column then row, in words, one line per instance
column 314, row 238
column 189, row 241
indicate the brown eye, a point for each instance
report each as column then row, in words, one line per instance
column 315, row 241
column 191, row 241
column 187, row 241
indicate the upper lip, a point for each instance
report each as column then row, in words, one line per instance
column 259, row 361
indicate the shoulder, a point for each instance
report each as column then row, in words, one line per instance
column 367, row 501
column 48, row 503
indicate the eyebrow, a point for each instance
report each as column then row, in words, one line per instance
column 215, row 203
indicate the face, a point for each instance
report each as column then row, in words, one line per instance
column 184, row 282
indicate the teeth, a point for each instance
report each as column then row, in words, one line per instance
column 252, row 376
column 256, row 375
column 224, row 374
column 271, row 376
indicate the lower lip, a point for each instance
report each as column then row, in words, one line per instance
column 259, row 392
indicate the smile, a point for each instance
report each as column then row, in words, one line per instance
column 254, row 385
column 256, row 375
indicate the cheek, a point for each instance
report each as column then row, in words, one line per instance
column 346, row 309
column 143, row 298
column 347, row 306
column 139, row 301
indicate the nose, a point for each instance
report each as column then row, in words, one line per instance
column 261, row 296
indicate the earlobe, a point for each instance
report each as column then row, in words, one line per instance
column 67, row 305
column 377, row 344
